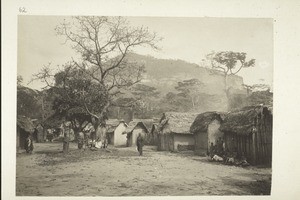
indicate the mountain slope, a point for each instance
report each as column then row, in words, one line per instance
column 166, row 73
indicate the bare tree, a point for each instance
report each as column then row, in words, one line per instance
column 90, row 83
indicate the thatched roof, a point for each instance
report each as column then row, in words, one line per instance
column 112, row 124
column 25, row 123
column 204, row 119
column 177, row 122
column 143, row 123
column 243, row 121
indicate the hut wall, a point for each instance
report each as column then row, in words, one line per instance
column 185, row 140
column 262, row 139
column 165, row 142
column 155, row 137
column 149, row 138
column 201, row 139
column 119, row 139
column 256, row 147
column 165, row 139
column 213, row 132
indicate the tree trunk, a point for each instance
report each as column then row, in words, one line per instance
column 66, row 134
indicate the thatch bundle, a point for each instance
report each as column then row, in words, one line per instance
column 25, row 124
column 177, row 122
column 204, row 119
column 244, row 120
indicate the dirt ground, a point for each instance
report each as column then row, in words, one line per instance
column 121, row 172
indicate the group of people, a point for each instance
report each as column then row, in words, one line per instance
column 218, row 153
column 92, row 138
column 217, row 149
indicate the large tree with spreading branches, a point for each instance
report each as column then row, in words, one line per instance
column 89, row 83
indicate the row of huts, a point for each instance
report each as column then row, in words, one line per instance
column 246, row 132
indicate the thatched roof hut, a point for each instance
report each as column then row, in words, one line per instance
column 177, row 122
column 174, row 132
column 248, row 132
column 206, row 131
column 202, row 121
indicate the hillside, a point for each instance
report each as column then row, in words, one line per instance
column 164, row 74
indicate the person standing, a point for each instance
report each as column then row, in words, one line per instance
column 140, row 144
column 29, row 144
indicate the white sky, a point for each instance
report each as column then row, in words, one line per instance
column 189, row 39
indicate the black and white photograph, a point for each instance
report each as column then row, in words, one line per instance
column 144, row 106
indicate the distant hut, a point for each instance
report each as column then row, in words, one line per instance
column 206, row 131
column 248, row 132
column 119, row 139
column 136, row 127
column 174, row 132
column 25, row 128
column 111, row 125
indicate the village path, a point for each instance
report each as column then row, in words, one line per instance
column 121, row 172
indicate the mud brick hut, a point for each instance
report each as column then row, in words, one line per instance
column 174, row 132
column 206, row 131
column 111, row 125
column 118, row 138
column 248, row 132
column 136, row 127
column 24, row 128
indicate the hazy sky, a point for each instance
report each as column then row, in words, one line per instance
column 189, row 39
